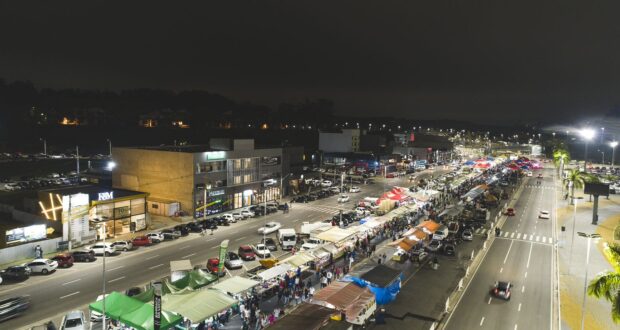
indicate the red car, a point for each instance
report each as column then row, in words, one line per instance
column 141, row 241
column 390, row 175
column 64, row 260
column 510, row 212
column 246, row 253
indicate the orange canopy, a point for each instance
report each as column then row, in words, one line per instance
column 429, row 226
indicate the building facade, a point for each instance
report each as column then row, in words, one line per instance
column 227, row 174
column 344, row 140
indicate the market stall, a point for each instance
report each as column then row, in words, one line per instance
column 306, row 316
column 356, row 302
column 383, row 281
column 300, row 259
column 235, row 285
column 199, row 305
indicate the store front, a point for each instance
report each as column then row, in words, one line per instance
column 226, row 199
column 122, row 216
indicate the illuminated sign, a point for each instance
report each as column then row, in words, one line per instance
column 212, row 155
column 216, row 192
column 104, row 196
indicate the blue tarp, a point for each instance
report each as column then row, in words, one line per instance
column 470, row 162
column 384, row 295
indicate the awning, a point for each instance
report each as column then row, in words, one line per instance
column 274, row 272
column 195, row 279
column 429, row 226
column 475, row 192
column 381, row 275
column 142, row 318
column 299, row 259
column 306, row 316
column 116, row 304
column 197, row 305
column 347, row 296
column 236, row 285
column 335, row 234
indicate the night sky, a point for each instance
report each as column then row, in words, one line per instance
column 491, row 61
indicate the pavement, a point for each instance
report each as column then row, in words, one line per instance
column 75, row 287
column 572, row 259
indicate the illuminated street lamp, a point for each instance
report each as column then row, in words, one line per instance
column 587, row 134
column 585, row 283
column 613, row 145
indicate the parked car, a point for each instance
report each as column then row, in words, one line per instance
column 449, row 249
column 362, row 211
column 94, row 315
column 74, row 320
column 141, row 241
column 183, row 229
column 13, row 307
column 233, row 261
column 103, row 248
column 262, row 251
column 510, row 212
column 246, row 253
column 326, row 183
column 343, row 198
column 229, row 217
column 272, row 209
column 543, row 215
column 247, row 214
column 170, row 234
column 64, row 260
column 270, row 227
column 83, row 256
column 237, row 215
column 501, row 290
column 42, row 266
column 195, row 227
column 467, row 235
column 133, row 291
column 155, row 237
column 16, row 273
column 355, row 189
column 270, row 243
column 122, row 245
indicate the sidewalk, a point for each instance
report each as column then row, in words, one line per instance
column 573, row 266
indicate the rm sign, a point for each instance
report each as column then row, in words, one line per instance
column 104, row 196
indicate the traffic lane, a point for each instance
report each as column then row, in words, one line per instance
column 537, row 300
column 504, row 262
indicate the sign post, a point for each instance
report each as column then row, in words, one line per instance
column 223, row 251
column 157, row 306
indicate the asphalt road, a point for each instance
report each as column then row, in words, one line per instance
column 68, row 289
column 522, row 254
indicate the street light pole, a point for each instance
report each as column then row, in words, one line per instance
column 110, row 148
column 613, row 145
column 585, row 282
column 44, row 146
column 570, row 260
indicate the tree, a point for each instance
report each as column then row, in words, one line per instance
column 607, row 284
column 578, row 179
column 560, row 156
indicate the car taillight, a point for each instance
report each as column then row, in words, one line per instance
column 495, row 290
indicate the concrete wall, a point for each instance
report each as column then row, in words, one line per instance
column 163, row 174
column 26, row 251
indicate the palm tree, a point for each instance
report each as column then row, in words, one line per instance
column 560, row 157
column 607, row 284
column 578, row 180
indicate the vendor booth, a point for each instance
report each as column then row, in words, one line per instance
column 197, row 306
column 236, row 285
column 383, row 281
column 356, row 302
column 306, row 316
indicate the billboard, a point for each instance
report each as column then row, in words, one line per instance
column 26, row 234
column 269, row 161
column 75, row 207
column 600, row 189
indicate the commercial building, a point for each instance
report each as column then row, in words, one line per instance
column 344, row 140
column 226, row 174
column 80, row 208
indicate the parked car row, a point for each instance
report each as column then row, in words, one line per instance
column 35, row 183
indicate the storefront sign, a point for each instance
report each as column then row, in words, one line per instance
column 157, row 310
column 26, row 234
column 104, row 196
column 216, row 193
column 213, row 155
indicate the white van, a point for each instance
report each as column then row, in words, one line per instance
column 441, row 233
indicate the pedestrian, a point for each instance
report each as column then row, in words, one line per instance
column 323, row 281
column 329, row 277
column 384, row 257
column 311, row 291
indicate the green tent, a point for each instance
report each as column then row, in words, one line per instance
column 195, row 279
column 142, row 318
column 116, row 304
column 146, row 296
column 199, row 305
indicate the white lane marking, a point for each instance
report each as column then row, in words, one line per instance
column 116, row 279
column 153, row 267
column 519, row 309
column 210, row 239
column 512, row 235
column 240, row 238
column 529, row 255
column 115, row 268
column 214, row 247
column 518, row 235
column 501, row 269
column 70, row 294
column 544, row 239
column 153, row 257
column 537, row 238
column 489, row 302
column 76, row 280
column 184, row 247
column 525, row 274
column 523, row 289
column 482, row 321
column 507, row 253
column 506, row 234
column 515, row 326
column 187, row 256
column 531, row 237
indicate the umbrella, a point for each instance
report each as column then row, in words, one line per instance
column 470, row 162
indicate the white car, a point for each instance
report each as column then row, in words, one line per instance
column 156, row 237
column 96, row 316
column 543, row 215
column 74, row 320
column 362, row 211
column 467, row 235
column 311, row 243
column 247, row 214
column 229, row 217
column 42, row 266
column 355, row 189
column 101, row 248
column 122, row 245
column 237, row 216
column 335, row 190
column 262, row 251
column 326, row 183
column 343, row 198
column 270, row 227
column 529, row 173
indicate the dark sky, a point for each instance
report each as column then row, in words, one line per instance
column 488, row 61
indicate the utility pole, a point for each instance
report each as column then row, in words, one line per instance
column 77, row 161
column 110, row 148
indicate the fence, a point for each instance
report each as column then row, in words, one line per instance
column 25, row 251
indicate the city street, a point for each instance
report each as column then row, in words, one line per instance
column 523, row 255
column 72, row 288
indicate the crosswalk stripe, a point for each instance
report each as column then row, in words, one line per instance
column 531, row 237
column 544, row 239
column 506, row 234
column 518, row 235
column 512, row 235
column 479, row 230
column 484, row 231
column 537, row 238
